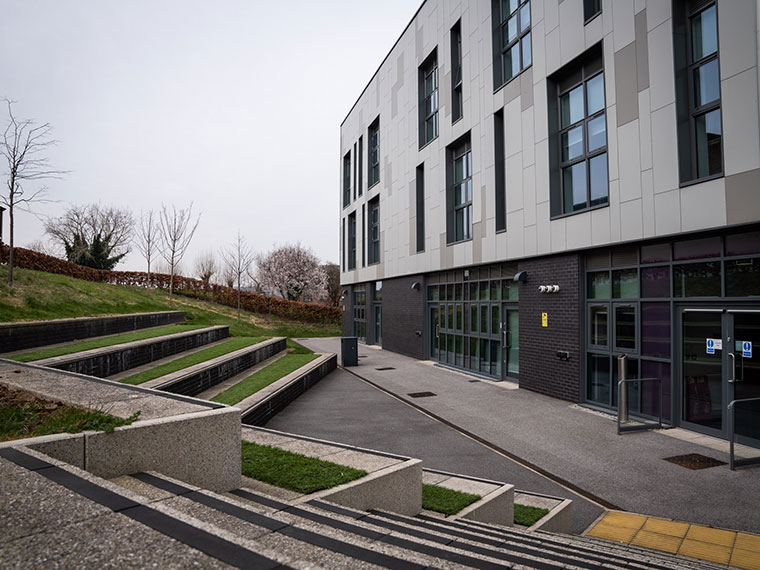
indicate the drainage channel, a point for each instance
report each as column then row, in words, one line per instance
column 484, row 442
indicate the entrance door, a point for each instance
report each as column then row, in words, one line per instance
column 720, row 363
column 435, row 333
column 510, row 342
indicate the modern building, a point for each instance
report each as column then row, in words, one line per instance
column 532, row 188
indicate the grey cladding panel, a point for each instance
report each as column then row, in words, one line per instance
column 626, row 85
column 642, row 50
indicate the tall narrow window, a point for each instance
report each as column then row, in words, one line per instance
column 343, row 243
column 457, row 110
column 355, row 171
column 499, row 170
column 364, row 237
column 420, row 208
column 511, row 39
column 429, row 100
column 591, row 8
column 347, row 179
column 579, row 180
column 459, row 191
column 700, row 129
column 352, row 241
column 360, row 161
column 373, row 137
column 373, row 224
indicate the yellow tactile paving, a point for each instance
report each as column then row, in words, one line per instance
column 657, row 541
column 740, row 549
column 612, row 532
column 711, row 535
column 748, row 542
column 748, row 559
column 664, row 526
column 705, row 551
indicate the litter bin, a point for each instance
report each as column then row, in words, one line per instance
column 349, row 351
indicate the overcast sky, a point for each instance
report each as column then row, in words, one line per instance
column 234, row 105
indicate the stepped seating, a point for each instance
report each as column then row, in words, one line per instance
column 31, row 334
column 111, row 360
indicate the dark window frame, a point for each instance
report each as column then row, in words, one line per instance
column 420, row 207
column 429, row 69
column 347, row 179
column 373, row 156
column 461, row 149
column 360, row 161
column 502, row 14
column 373, row 230
column 591, row 9
column 352, row 241
column 457, row 103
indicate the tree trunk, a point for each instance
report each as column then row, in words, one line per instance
column 10, row 248
column 238, row 299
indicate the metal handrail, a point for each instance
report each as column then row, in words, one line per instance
column 733, row 463
column 622, row 415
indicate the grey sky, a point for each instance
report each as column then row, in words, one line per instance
column 234, row 105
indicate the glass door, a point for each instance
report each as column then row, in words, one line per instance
column 720, row 363
column 743, row 362
column 435, row 333
column 510, row 342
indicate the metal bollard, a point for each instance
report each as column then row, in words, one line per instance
column 623, row 388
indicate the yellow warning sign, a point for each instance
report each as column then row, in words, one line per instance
column 544, row 319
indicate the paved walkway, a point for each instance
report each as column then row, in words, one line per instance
column 569, row 442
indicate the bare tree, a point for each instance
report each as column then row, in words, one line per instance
column 23, row 146
column 292, row 271
column 205, row 266
column 93, row 235
column 43, row 247
column 147, row 236
column 227, row 277
column 238, row 259
column 332, row 271
column 177, row 232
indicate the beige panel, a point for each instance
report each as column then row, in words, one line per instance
column 626, row 86
column 737, row 29
column 703, row 205
column 741, row 137
column 742, row 203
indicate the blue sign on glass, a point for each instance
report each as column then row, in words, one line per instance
column 710, row 346
column 747, row 349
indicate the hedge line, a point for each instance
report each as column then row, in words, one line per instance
column 187, row 286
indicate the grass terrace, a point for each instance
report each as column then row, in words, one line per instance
column 446, row 501
column 528, row 516
column 224, row 347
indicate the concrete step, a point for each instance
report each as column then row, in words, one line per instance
column 200, row 377
column 111, row 360
column 222, row 386
column 29, row 334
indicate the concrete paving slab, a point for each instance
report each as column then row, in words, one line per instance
column 572, row 445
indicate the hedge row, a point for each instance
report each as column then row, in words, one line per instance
column 187, row 286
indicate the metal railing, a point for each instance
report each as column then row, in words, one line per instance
column 623, row 399
column 733, row 463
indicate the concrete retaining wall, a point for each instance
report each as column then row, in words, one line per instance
column 104, row 362
column 196, row 379
column 303, row 379
column 18, row 336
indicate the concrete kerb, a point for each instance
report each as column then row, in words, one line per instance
column 560, row 515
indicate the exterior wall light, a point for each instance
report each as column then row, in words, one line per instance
column 416, row 285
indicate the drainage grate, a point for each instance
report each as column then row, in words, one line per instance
column 421, row 394
column 695, row 461
column 386, row 368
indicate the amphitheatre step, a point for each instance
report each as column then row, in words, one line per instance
column 111, row 360
column 222, row 386
column 199, row 377
column 31, row 334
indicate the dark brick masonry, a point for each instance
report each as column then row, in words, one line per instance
column 404, row 316
column 540, row 368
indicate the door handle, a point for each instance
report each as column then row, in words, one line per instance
column 733, row 368
column 437, row 331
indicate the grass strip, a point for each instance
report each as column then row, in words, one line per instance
column 102, row 342
column 528, row 516
column 263, row 378
column 292, row 470
column 225, row 347
column 446, row 501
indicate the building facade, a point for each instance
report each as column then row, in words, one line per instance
column 532, row 188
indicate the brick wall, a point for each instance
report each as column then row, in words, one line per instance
column 347, row 311
column 540, row 369
column 404, row 316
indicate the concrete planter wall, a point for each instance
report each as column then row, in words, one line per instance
column 18, row 336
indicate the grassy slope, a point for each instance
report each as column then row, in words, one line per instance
column 263, row 378
column 37, row 295
column 100, row 342
column 447, row 501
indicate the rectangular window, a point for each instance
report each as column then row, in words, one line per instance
column 578, row 159
column 459, row 191
column 429, row 99
column 373, row 136
column 420, row 208
column 499, row 170
column 591, row 8
column 343, row 243
column 347, row 179
column 457, row 109
column 352, row 241
column 354, row 171
column 364, row 238
column 511, row 39
column 360, row 161
column 373, row 225
column 700, row 131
